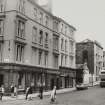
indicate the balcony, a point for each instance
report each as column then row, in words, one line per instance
column 20, row 39
column 55, row 50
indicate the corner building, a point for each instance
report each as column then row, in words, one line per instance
column 29, row 45
column 90, row 52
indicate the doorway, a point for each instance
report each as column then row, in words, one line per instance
column 52, row 83
column 1, row 79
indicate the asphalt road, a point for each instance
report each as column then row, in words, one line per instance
column 91, row 96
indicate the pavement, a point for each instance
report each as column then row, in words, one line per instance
column 22, row 97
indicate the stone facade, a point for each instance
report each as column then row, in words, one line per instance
column 103, row 60
column 29, row 46
column 92, row 53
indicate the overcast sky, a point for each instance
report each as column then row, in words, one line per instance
column 87, row 16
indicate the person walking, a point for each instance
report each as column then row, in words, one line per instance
column 53, row 94
column 41, row 91
column 2, row 92
column 12, row 90
column 28, row 91
column 15, row 91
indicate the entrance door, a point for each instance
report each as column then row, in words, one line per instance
column 57, row 83
column 52, row 83
column 1, row 79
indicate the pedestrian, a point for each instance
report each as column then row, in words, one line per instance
column 15, row 90
column 12, row 90
column 53, row 94
column 41, row 91
column 2, row 92
column 28, row 91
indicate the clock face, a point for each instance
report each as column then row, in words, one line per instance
column 43, row 2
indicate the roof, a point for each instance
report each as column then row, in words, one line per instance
column 91, row 41
column 67, row 23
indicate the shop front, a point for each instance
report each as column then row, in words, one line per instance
column 67, row 77
column 24, row 75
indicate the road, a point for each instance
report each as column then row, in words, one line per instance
column 91, row 96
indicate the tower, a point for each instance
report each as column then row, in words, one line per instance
column 46, row 4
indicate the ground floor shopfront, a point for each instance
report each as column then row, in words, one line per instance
column 23, row 76
column 67, row 76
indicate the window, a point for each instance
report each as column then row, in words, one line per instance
column 40, row 58
column 71, row 60
column 65, row 30
column 1, row 51
column 55, row 61
column 55, row 26
column 35, row 13
column 1, row 6
column 46, row 39
column 66, row 60
column 22, row 6
column 62, row 43
column 55, row 42
column 46, row 58
column 41, row 17
column 34, row 56
column 71, row 46
column 1, row 27
column 62, row 28
column 62, row 59
column 41, row 37
column 21, row 29
column 19, row 52
column 46, row 21
column 85, row 56
column 20, row 79
column 34, row 34
column 65, row 45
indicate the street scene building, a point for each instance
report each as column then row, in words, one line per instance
column 103, row 60
column 35, row 47
column 90, row 52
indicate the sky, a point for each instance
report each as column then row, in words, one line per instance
column 87, row 16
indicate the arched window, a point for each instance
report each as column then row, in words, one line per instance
column 85, row 56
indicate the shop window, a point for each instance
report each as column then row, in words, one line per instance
column 20, row 79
